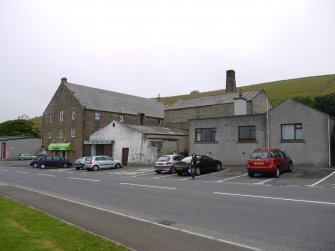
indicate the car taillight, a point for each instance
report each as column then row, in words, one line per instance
column 169, row 163
column 90, row 162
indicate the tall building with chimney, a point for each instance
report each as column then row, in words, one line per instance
column 231, row 103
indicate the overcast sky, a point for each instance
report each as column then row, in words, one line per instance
column 151, row 47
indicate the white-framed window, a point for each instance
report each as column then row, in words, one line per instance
column 49, row 117
column 73, row 132
column 121, row 118
column 61, row 115
column 205, row 135
column 49, row 135
column 97, row 116
column 60, row 135
column 73, row 115
column 291, row 132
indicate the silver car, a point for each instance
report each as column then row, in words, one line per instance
column 166, row 163
column 96, row 163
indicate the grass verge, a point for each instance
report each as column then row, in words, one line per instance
column 23, row 228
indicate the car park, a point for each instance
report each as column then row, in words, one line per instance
column 96, row 163
column 273, row 161
column 48, row 160
column 80, row 163
column 166, row 163
column 204, row 164
column 26, row 156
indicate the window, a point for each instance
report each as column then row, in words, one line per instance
column 97, row 115
column 205, row 135
column 121, row 118
column 61, row 115
column 73, row 115
column 49, row 117
column 247, row 133
column 291, row 132
column 49, row 135
column 141, row 118
column 60, row 134
column 73, row 132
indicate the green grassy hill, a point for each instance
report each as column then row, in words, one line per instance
column 277, row 91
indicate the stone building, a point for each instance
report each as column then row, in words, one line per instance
column 229, row 104
column 75, row 112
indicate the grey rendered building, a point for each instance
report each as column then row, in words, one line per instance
column 304, row 133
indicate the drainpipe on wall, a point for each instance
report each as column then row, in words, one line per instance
column 329, row 142
column 267, row 123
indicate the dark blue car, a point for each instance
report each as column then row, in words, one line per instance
column 48, row 160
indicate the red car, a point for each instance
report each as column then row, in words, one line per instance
column 272, row 161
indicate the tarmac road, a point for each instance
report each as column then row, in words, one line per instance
column 133, row 233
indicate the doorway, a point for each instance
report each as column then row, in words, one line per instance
column 125, row 153
column 3, row 151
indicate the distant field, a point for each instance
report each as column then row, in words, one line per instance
column 277, row 91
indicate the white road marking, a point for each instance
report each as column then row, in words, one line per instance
column 21, row 172
column 231, row 178
column 277, row 198
column 4, row 170
column 139, row 219
column 74, row 178
column 263, row 182
column 131, row 184
column 49, row 175
column 322, row 179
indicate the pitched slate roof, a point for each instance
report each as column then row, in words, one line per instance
column 103, row 100
column 158, row 130
column 212, row 100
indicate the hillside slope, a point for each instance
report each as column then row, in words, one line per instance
column 277, row 91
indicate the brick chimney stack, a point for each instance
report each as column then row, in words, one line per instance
column 230, row 81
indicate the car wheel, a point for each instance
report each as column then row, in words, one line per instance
column 251, row 174
column 277, row 172
column 117, row 166
column 218, row 167
column 78, row 168
column 42, row 166
column 197, row 171
column 35, row 165
column 291, row 169
column 173, row 170
column 65, row 165
column 95, row 168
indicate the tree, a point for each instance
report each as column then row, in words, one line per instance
column 326, row 104
column 19, row 127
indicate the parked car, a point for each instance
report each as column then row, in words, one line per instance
column 80, row 163
column 272, row 161
column 26, row 156
column 48, row 160
column 96, row 163
column 166, row 163
column 204, row 164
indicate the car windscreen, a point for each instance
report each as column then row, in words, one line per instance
column 261, row 155
column 163, row 158
column 187, row 159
